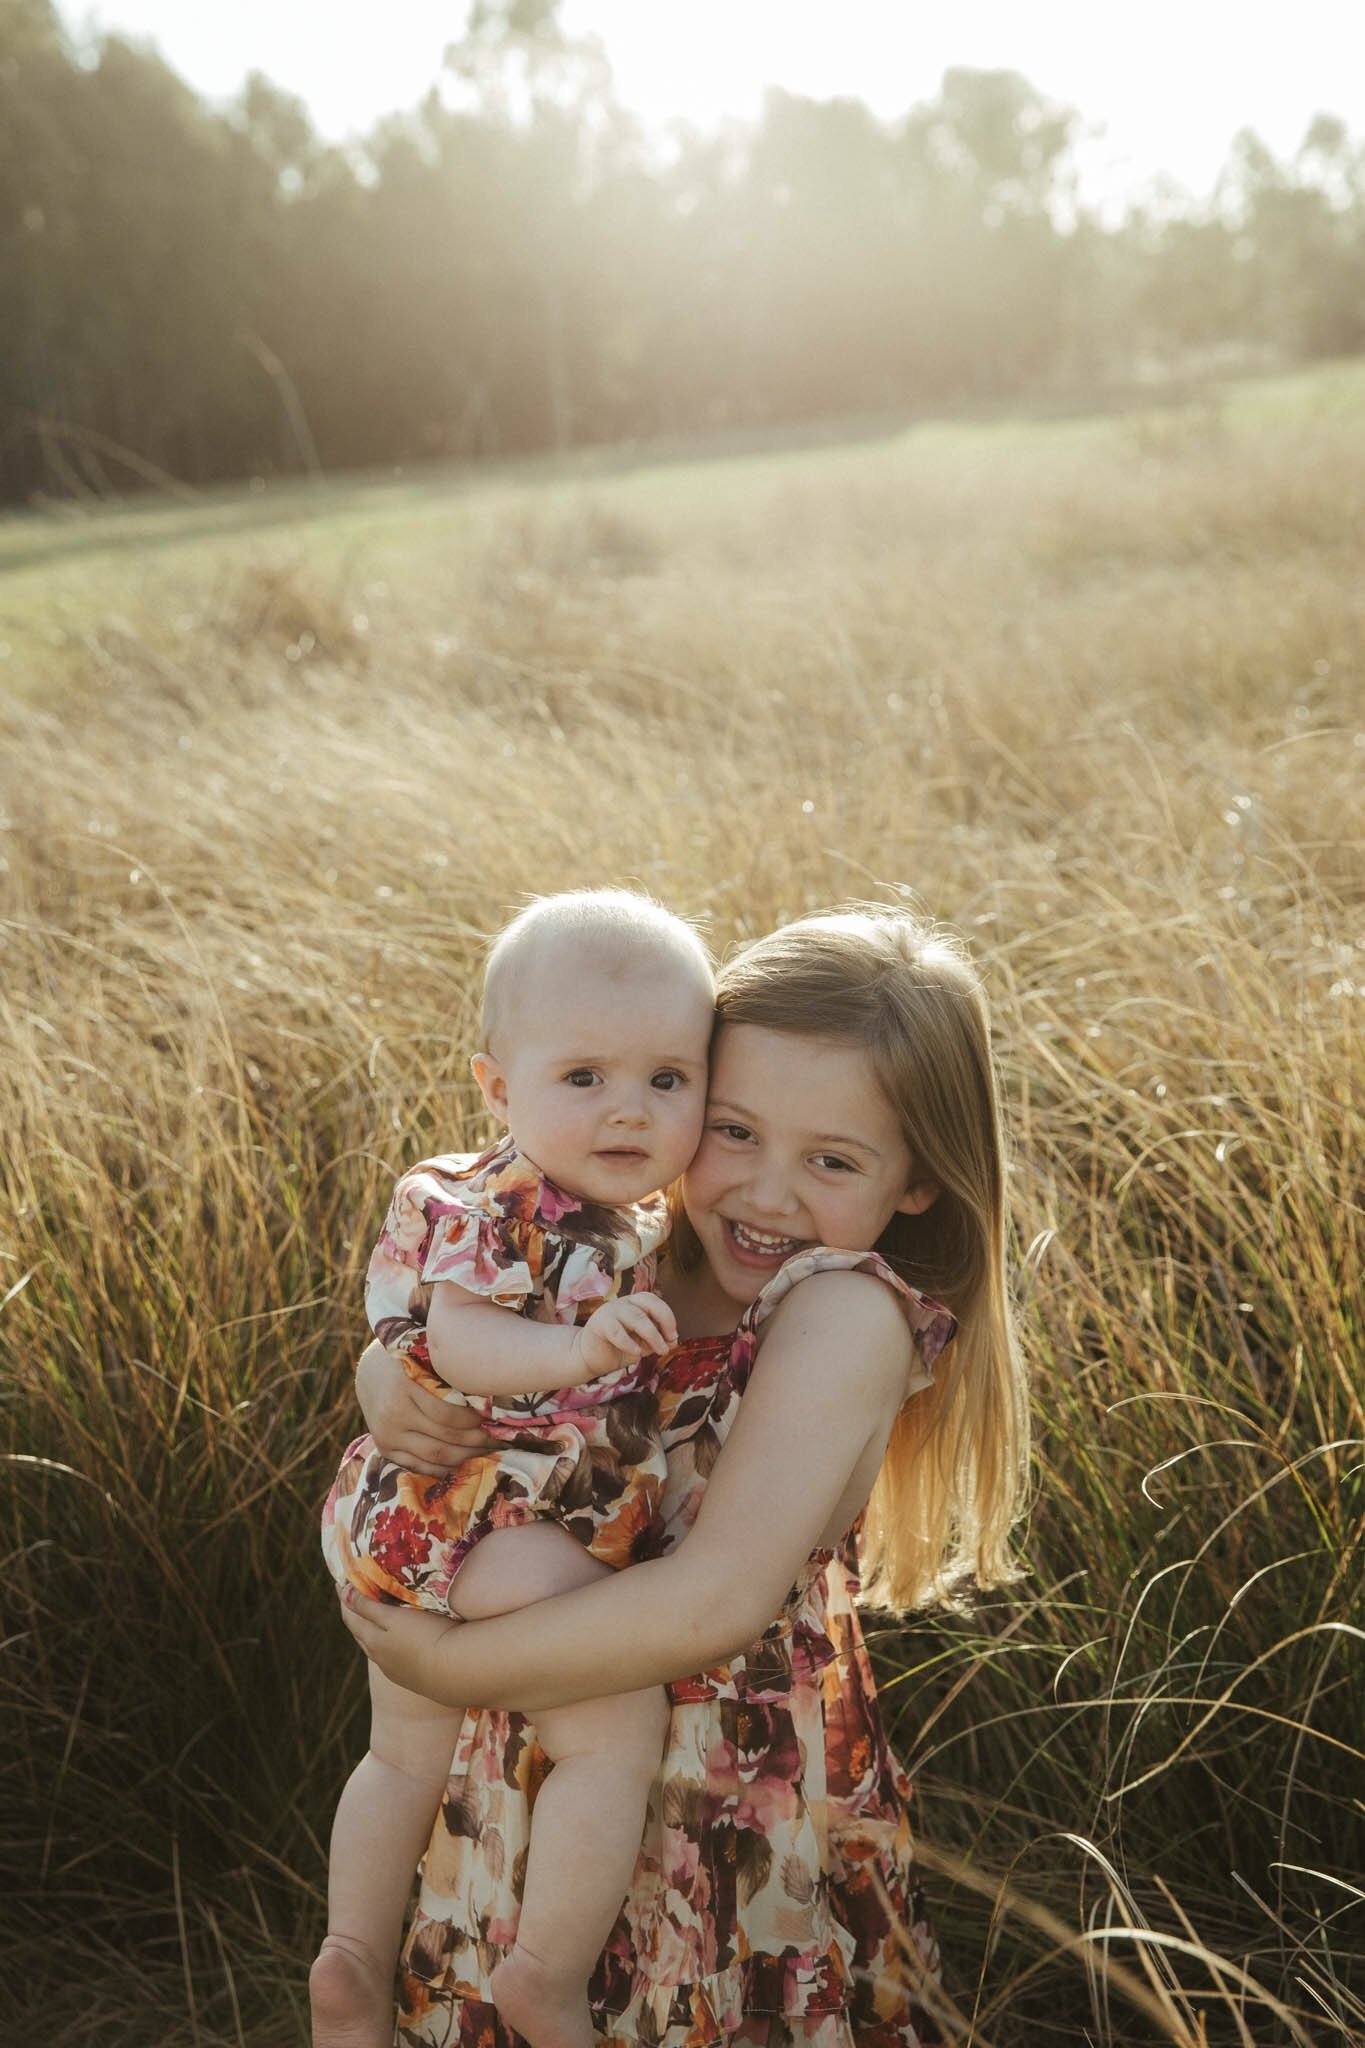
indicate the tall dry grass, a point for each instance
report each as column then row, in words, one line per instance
column 1094, row 696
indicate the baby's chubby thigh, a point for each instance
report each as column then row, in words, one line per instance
column 512, row 1568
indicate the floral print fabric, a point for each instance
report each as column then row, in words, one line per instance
column 589, row 1456
column 497, row 1226
column 775, row 1902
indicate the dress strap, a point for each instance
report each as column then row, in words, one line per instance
column 931, row 1324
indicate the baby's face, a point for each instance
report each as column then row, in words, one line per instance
column 602, row 1077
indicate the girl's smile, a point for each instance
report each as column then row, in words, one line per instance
column 799, row 1147
column 758, row 1247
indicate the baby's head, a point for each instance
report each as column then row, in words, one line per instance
column 597, row 1015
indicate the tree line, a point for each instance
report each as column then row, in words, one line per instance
column 193, row 292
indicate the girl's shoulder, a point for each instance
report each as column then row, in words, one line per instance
column 930, row 1323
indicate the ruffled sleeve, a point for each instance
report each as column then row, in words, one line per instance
column 435, row 1231
column 931, row 1324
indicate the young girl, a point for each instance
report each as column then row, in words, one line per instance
column 597, row 1015
column 775, row 1900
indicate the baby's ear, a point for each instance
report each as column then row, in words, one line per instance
column 492, row 1083
column 919, row 1196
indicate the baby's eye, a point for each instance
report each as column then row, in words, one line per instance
column 581, row 1077
column 668, row 1081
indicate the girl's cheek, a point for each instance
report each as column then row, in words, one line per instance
column 705, row 1151
column 703, row 1175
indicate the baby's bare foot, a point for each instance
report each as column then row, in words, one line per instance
column 549, row 2010
column 349, row 1996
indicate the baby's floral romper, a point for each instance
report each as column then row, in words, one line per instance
column 588, row 1456
column 775, row 1902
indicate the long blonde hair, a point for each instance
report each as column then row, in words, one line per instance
column 903, row 987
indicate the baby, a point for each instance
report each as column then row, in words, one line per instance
column 597, row 1016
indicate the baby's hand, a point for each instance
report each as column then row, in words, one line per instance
column 633, row 1326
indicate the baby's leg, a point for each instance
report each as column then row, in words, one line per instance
column 382, row 1826
column 590, row 1812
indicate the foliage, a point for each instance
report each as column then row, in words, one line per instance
column 197, row 293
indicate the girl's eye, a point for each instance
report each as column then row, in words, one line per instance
column 668, row 1081
column 581, row 1077
column 739, row 1132
column 832, row 1159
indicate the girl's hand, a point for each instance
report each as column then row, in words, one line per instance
column 633, row 1326
column 414, row 1429
column 399, row 1640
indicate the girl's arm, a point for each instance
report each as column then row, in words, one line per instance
column 480, row 1347
column 825, row 1390
column 422, row 1432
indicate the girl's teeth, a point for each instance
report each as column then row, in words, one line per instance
column 759, row 1241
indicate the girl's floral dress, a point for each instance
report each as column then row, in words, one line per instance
column 775, row 1902
column 588, row 1456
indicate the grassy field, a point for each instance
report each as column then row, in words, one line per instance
column 275, row 760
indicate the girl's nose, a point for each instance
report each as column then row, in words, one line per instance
column 771, row 1195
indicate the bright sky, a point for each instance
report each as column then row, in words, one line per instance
column 1165, row 84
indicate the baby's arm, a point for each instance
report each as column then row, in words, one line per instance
column 827, row 1385
column 480, row 1347
column 472, row 1337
